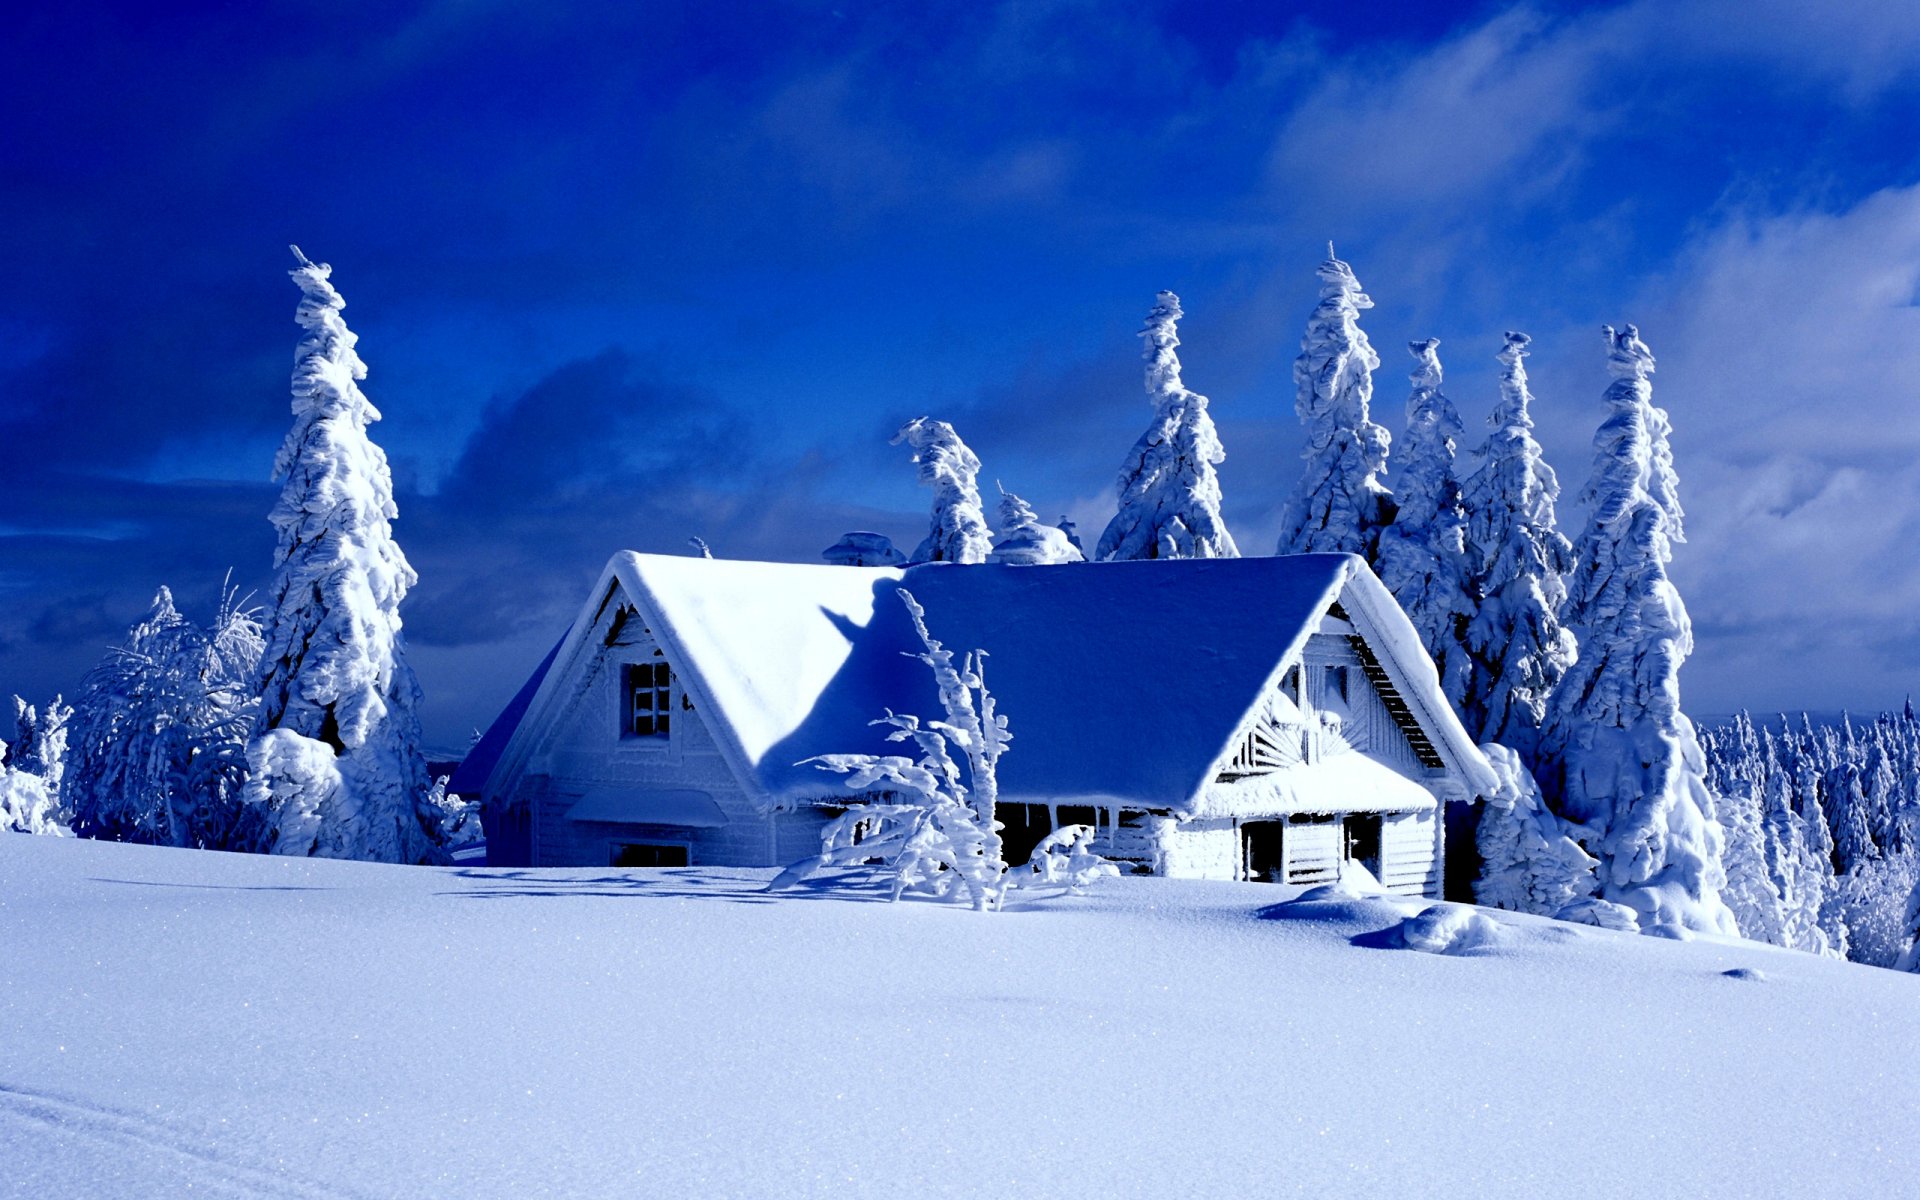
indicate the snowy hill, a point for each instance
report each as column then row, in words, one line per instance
column 180, row 1021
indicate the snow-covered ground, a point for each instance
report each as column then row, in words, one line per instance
column 181, row 1022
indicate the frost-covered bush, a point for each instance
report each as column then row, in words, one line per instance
column 26, row 803
column 1530, row 861
column 1339, row 504
column 1423, row 554
column 39, row 745
column 936, row 834
column 158, row 739
column 1520, row 649
column 1024, row 541
column 459, row 819
column 958, row 530
column 1065, row 858
column 1169, row 487
column 1630, row 767
column 335, row 673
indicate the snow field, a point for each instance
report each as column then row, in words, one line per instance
column 266, row 1026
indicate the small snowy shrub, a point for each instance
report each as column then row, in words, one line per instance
column 1531, row 862
column 26, row 804
column 159, row 732
column 1065, row 858
column 941, row 839
column 40, row 742
column 296, row 780
column 1025, row 542
column 459, row 823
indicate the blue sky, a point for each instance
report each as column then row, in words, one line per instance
column 625, row 273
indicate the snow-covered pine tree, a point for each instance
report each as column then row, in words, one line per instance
column 1169, row 490
column 160, row 732
column 1752, row 892
column 1846, row 803
column 958, row 533
column 336, row 759
column 1629, row 764
column 1024, row 541
column 1339, row 504
column 1520, row 649
column 1801, row 877
column 1423, row 554
column 937, row 834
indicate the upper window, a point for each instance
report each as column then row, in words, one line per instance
column 648, row 692
column 1337, row 684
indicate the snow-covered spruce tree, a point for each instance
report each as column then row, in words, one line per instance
column 1629, row 765
column 1024, row 541
column 1530, row 863
column 1339, row 504
column 1752, row 893
column 1801, row 876
column 1423, row 554
column 1846, row 803
column 940, row 836
column 958, row 533
column 1520, row 648
column 1169, row 490
column 336, row 760
column 160, row 732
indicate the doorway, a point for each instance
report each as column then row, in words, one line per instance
column 1363, row 841
column 1266, row 850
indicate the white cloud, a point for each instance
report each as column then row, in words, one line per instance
column 1789, row 351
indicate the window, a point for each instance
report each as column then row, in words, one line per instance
column 1337, row 684
column 648, row 692
column 639, row 854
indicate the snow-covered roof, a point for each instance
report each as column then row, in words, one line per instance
column 1123, row 682
column 1342, row 782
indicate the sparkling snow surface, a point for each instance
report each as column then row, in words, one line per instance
column 181, row 1022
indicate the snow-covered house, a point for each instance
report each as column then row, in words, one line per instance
column 1257, row 718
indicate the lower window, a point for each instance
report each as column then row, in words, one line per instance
column 648, row 854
